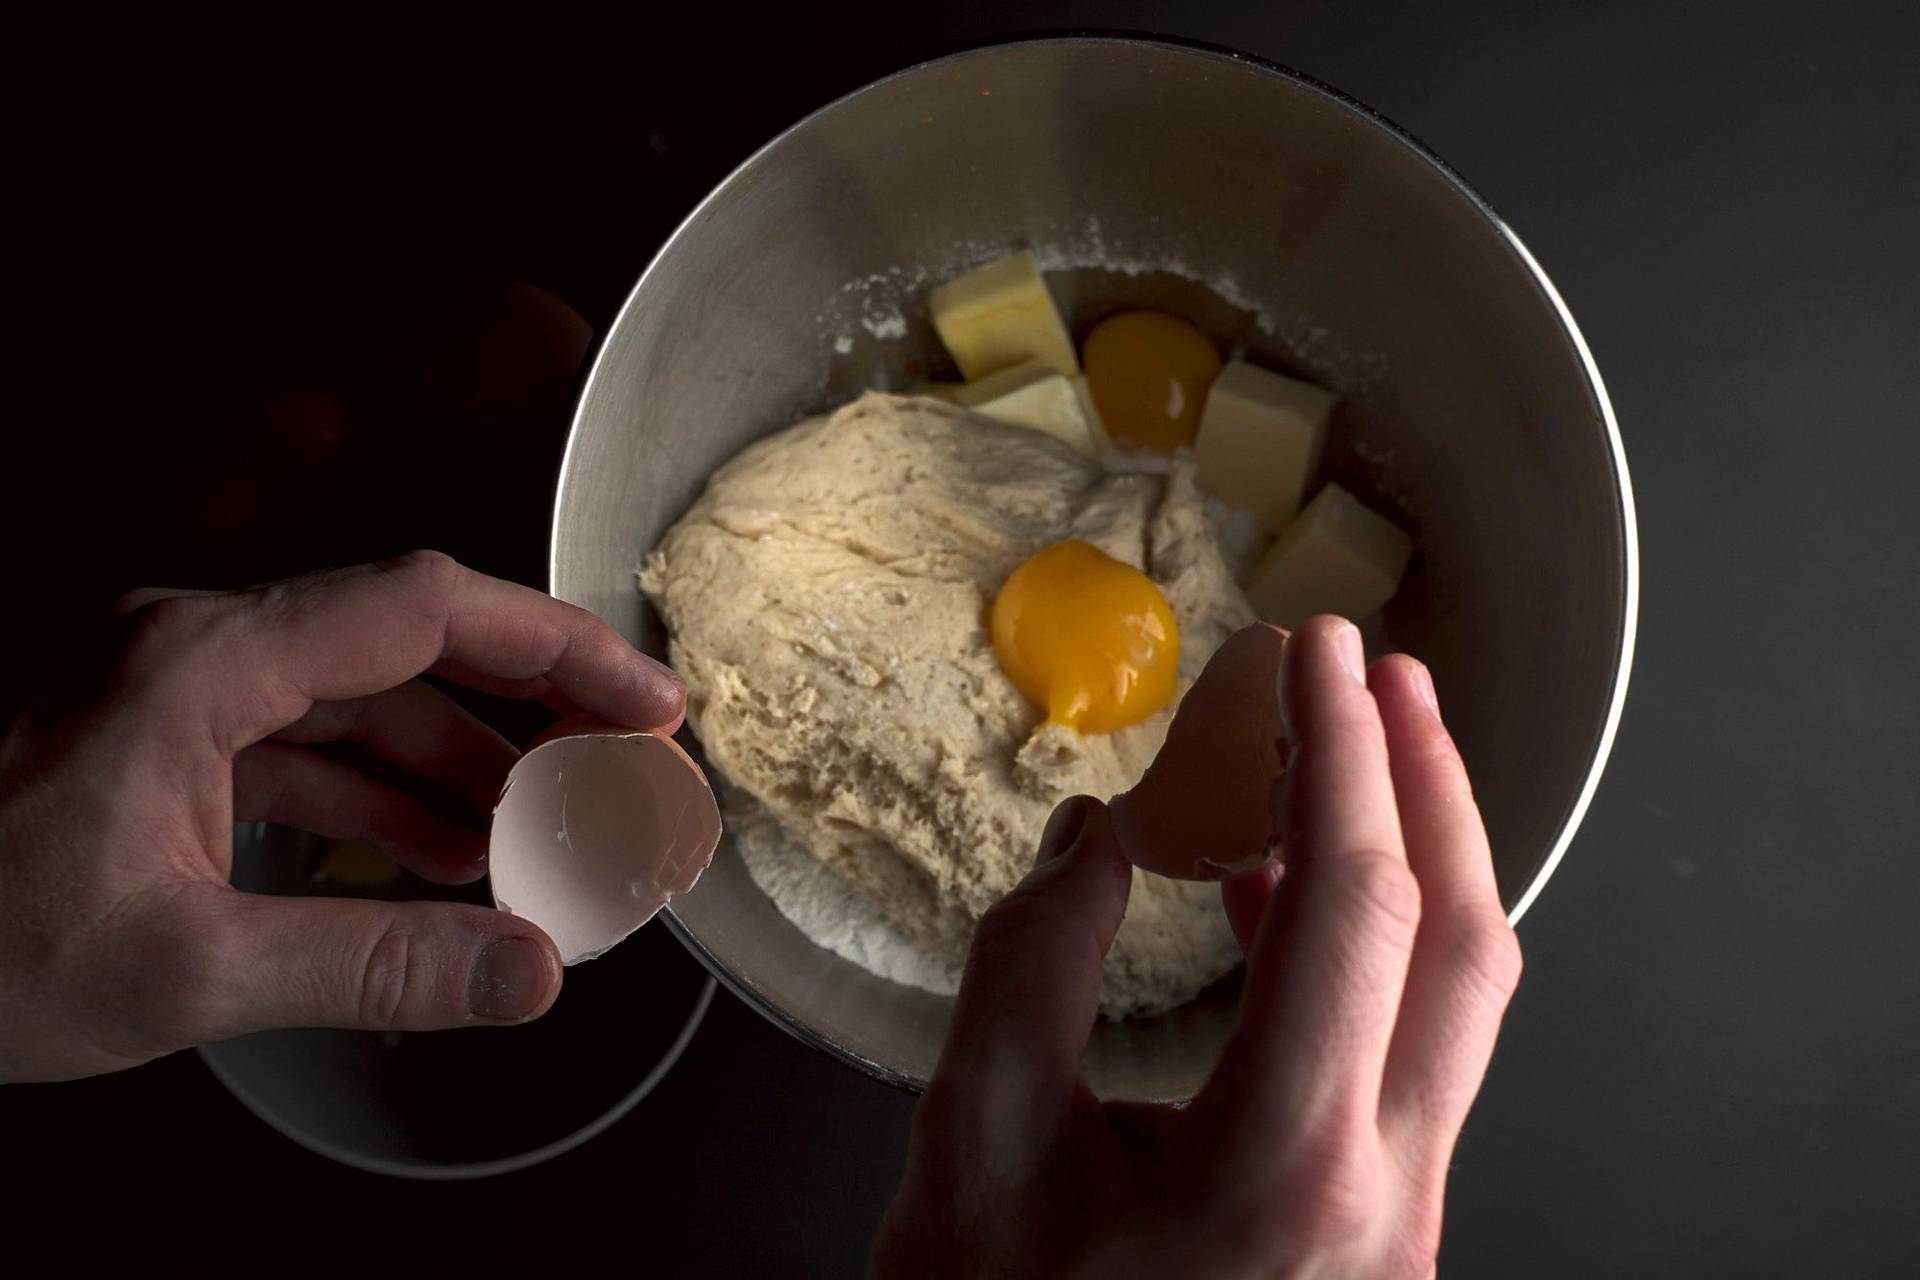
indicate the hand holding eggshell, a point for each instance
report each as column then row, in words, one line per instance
column 120, row 938
column 1377, row 972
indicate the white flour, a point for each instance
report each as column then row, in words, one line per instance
column 880, row 302
column 821, row 904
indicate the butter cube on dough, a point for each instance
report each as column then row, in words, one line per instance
column 1095, row 427
column 1032, row 395
column 1001, row 315
column 995, row 385
column 1259, row 441
column 1337, row 557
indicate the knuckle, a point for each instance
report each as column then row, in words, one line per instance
column 130, row 602
column 158, row 627
column 1332, row 1206
column 435, row 571
column 1435, row 755
column 161, row 637
column 1486, row 951
column 424, row 584
column 389, row 979
column 1383, row 891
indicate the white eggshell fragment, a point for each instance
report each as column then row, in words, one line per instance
column 594, row 832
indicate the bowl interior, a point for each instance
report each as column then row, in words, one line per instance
column 1282, row 219
column 470, row 1102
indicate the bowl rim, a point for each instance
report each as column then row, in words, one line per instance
column 458, row 1171
column 1629, row 602
column 454, row 1171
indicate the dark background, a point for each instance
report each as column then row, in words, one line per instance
column 1713, row 1066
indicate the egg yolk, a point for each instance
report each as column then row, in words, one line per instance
column 1087, row 639
column 1148, row 373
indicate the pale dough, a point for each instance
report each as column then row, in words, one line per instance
column 826, row 599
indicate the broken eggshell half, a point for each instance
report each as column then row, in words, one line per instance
column 595, row 831
column 1204, row 808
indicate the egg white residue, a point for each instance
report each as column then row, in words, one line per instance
column 825, row 907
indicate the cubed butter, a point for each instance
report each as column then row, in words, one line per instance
column 1032, row 395
column 1095, row 427
column 1338, row 556
column 1001, row 315
column 995, row 385
column 1260, row 439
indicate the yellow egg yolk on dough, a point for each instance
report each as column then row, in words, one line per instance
column 1148, row 373
column 1087, row 639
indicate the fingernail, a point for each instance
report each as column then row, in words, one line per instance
column 1423, row 685
column 665, row 670
column 508, row 982
column 1352, row 653
column 1063, row 829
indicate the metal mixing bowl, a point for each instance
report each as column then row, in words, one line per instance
column 471, row 1102
column 1472, row 409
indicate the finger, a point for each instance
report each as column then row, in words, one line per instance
column 1466, row 960
column 1032, row 982
column 273, row 782
column 1245, row 899
column 354, row 632
column 377, row 966
column 1329, row 959
column 544, row 689
column 1338, row 793
column 419, row 730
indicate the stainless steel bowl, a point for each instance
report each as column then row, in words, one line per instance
column 1472, row 408
column 466, row 1103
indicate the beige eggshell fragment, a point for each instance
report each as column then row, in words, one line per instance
column 595, row 832
column 1204, row 810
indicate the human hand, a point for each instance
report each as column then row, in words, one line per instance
column 120, row 939
column 1378, row 968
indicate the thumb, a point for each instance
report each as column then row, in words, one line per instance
column 377, row 966
column 1032, row 984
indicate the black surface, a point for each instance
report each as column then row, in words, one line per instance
column 1713, row 1066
